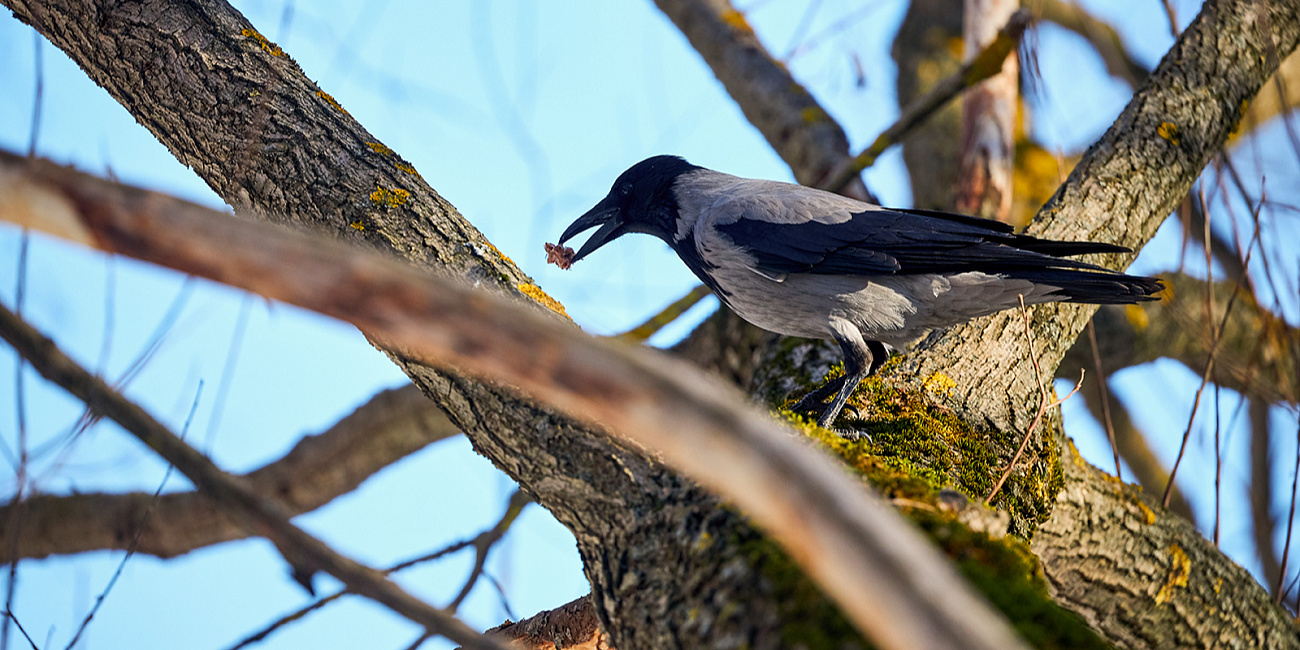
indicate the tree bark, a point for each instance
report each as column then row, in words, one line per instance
column 1144, row 577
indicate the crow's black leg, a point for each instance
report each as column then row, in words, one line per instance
column 861, row 358
column 813, row 400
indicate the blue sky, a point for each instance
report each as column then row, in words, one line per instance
column 521, row 114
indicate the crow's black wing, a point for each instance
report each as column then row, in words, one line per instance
column 882, row 241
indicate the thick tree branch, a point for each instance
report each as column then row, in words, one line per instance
column 797, row 127
column 393, row 425
column 1144, row 577
column 571, row 626
column 885, row 576
column 267, row 517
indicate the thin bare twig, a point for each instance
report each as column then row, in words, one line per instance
column 1172, row 15
column 228, row 370
column 483, row 545
column 17, row 506
column 1045, row 403
column 419, row 641
column 38, row 98
column 10, row 616
column 501, row 595
column 269, row 517
column 484, row 540
column 1218, row 466
column 1290, row 520
column 1104, row 392
column 139, row 531
column 1209, row 366
column 1286, row 547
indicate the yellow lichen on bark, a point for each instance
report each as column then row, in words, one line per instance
column 329, row 98
column 266, row 45
column 1180, row 566
column 737, row 21
column 535, row 292
column 939, row 383
column 1168, row 131
column 389, row 198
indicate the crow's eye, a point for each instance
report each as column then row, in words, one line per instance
column 625, row 189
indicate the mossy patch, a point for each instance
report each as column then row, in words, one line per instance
column 1008, row 574
column 910, row 435
column 1004, row 570
column 813, row 621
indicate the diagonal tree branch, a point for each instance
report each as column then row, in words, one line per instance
column 394, row 424
column 808, row 139
column 884, row 575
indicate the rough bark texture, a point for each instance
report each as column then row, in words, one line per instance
column 796, row 126
column 571, row 626
column 393, row 425
column 275, row 145
column 1160, row 587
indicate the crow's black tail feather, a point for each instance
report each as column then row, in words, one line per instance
column 1096, row 287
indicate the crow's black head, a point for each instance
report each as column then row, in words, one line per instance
column 640, row 201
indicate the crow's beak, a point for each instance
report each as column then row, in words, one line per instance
column 607, row 216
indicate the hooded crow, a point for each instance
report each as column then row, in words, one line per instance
column 804, row 262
